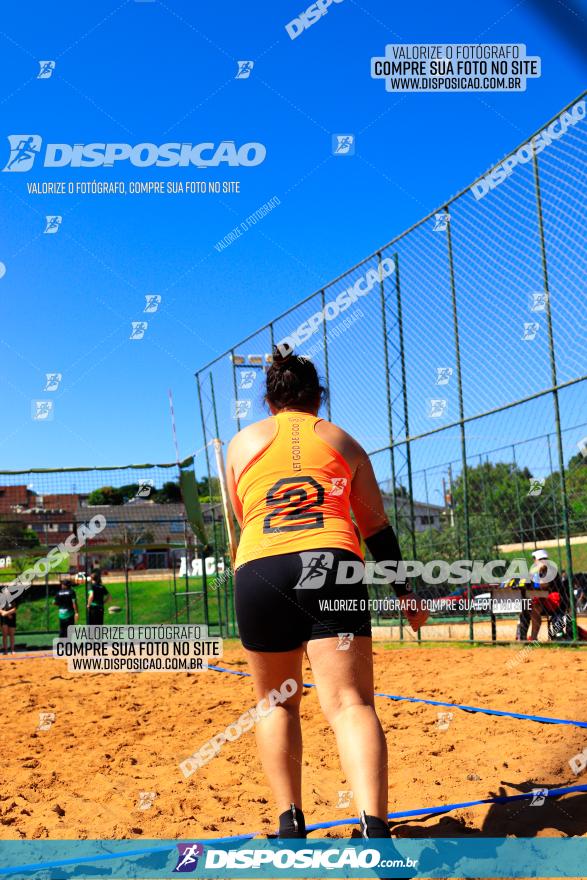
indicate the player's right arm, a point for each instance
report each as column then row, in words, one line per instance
column 381, row 540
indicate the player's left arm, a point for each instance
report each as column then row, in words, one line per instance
column 231, row 482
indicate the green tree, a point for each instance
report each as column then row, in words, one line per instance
column 106, row 495
column 498, row 502
column 169, row 493
column 16, row 536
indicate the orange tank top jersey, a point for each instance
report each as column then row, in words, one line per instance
column 295, row 494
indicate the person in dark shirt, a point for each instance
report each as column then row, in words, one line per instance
column 98, row 596
column 8, row 624
column 67, row 603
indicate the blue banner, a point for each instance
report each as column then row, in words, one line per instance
column 470, row 857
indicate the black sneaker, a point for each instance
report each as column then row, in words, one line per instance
column 292, row 823
column 372, row 826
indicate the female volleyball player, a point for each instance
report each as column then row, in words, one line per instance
column 293, row 480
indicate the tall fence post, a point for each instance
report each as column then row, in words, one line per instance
column 555, row 400
column 326, row 365
column 206, row 440
column 455, row 317
column 388, row 393
column 518, row 504
column 235, row 388
column 402, row 354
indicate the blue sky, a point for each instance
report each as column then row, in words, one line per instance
column 165, row 71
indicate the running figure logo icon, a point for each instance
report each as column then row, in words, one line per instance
column 153, row 301
column 187, row 861
column 344, row 641
column 343, row 145
column 52, row 224
column 138, row 329
column 145, row 488
column 52, row 381
column 338, row 486
column 531, row 328
column 24, row 148
column 441, row 222
column 316, row 565
column 443, row 375
column 42, row 410
column 244, row 69
column 46, row 69
column 539, row 795
column 539, row 301
column 247, row 379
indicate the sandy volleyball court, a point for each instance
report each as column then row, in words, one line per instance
column 107, row 766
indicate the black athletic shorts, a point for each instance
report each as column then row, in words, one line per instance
column 9, row 621
column 273, row 615
column 95, row 615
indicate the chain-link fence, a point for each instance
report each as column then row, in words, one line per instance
column 161, row 558
column 457, row 356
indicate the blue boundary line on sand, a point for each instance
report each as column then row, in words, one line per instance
column 541, row 719
column 426, row 811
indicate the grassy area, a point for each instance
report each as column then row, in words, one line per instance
column 150, row 602
column 579, row 552
column 11, row 572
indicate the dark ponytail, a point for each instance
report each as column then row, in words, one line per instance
column 293, row 383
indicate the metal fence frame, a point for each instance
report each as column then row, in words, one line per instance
column 395, row 368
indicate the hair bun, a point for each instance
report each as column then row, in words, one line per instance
column 282, row 354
